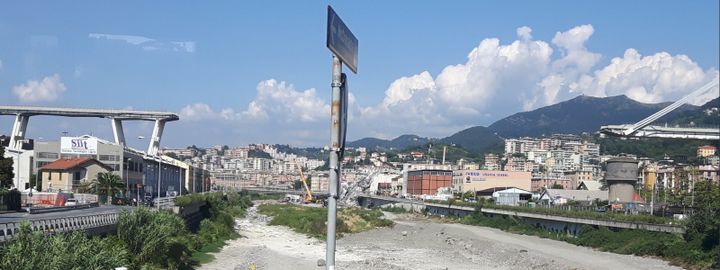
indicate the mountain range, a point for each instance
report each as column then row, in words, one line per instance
column 399, row 143
column 583, row 114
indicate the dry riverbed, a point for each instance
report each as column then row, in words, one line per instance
column 413, row 243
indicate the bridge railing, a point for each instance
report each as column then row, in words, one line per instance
column 10, row 230
column 164, row 202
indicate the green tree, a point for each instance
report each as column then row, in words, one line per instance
column 703, row 228
column 6, row 170
column 106, row 184
column 35, row 183
column 468, row 195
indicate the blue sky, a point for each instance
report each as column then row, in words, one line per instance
column 244, row 72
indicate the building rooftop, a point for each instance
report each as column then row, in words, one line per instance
column 578, row 195
column 590, row 185
column 66, row 164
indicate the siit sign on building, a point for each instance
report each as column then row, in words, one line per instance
column 78, row 145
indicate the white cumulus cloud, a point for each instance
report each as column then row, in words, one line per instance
column 45, row 90
column 650, row 79
column 197, row 111
column 280, row 101
column 499, row 79
column 278, row 113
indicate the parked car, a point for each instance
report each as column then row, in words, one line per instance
column 71, row 202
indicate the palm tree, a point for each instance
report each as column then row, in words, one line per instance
column 106, row 184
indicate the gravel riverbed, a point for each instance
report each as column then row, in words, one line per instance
column 413, row 243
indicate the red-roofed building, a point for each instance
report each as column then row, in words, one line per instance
column 68, row 174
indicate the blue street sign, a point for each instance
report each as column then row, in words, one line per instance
column 341, row 41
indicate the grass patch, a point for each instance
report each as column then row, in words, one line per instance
column 202, row 257
column 204, row 254
column 311, row 220
column 266, row 196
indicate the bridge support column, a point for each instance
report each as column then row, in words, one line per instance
column 18, row 132
column 155, row 139
column 118, row 132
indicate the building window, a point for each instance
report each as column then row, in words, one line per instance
column 47, row 155
column 109, row 158
column 76, row 176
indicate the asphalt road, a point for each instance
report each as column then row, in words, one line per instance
column 19, row 216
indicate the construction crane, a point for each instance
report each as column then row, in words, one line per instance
column 308, row 193
column 644, row 129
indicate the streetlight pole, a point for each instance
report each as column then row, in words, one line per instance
column 137, row 190
column 127, row 181
column 158, row 182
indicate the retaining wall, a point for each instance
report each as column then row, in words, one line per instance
column 558, row 224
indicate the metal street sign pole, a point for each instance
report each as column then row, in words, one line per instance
column 344, row 45
column 334, row 164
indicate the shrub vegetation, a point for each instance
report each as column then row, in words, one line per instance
column 311, row 220
column 145, row 239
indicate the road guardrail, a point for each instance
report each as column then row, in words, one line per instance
column 9, row 230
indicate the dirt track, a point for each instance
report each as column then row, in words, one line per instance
column 426, row 245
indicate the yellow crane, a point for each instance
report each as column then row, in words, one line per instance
column 308, row 193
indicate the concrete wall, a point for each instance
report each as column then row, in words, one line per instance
column 25, row 166
column 557, row 224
